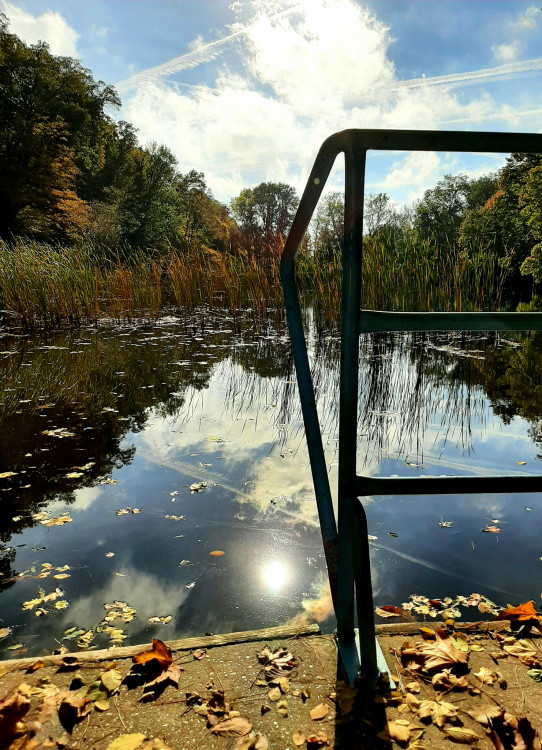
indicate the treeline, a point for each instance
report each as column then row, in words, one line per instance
column 496, row 217
column 73, row 176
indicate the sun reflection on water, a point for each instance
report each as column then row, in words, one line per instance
column 275, row 575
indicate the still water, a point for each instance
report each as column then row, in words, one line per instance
column 130, row 454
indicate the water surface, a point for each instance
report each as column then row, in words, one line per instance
column 127, row 418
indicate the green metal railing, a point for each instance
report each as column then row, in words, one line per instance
column 346, row 545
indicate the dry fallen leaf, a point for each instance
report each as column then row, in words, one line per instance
column 520, row 613
column 319, row 712
column 159, row 651
column 298, row 738
column 317, row 740
column 389, row 611
column 461, row 735
column 438, row 711
column 274, row 694
column 486, row 676
column 127, row 742
column 237, row 727
column 252, row 741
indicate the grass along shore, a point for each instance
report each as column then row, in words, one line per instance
column 49, row 286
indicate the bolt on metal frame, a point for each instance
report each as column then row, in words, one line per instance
column 346, row 547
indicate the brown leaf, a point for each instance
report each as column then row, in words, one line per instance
column 461, row 735
column 520, row 613
column 523, row 650
column 317, row 740
column 253, row 741
column 159, row 651
column 274, row 694
column 74, row 707
column 438, row 711
column 298, row 738
column 389, row 611
column 199, row 653
column 12, row 710
column 319, row 712
column 432, row 656
column 237, row 727
column 486, row 676
column 491, row 529
column 446, row 680
column 171, row 674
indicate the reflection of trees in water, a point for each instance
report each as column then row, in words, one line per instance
column 101, row 385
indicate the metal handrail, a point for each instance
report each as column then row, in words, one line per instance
column 346, row 548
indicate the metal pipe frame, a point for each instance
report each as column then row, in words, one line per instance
column 347, row 548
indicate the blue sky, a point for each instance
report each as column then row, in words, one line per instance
column 247, row 90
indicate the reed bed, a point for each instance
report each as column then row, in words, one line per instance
column 47, row 286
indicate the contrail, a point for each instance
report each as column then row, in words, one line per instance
column 205, row 53
column 472, row 76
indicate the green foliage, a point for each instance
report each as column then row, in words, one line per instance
column 52, row 123
column 264, row 215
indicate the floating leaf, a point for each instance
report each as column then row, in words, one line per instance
column 491, row 530
column 198, row 486
column 445, row 524
column 217, row 553
column 7, row 474
column 388, row 611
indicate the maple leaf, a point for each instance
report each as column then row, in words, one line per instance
column 433, row 656
column 438, row 711
column 159, row 651
column 521, row 613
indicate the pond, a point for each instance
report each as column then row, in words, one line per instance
column 162, row 471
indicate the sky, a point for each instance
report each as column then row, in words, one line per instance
column 246, row 91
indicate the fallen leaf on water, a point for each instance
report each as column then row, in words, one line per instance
column 74, row 475
column 491, row 530
column 190, row 585
column 164, row 620
column 127, row 511
column 198, row 486
column 522, row 463
column 217, row 553
column 445, row 524
column 4, row 632
column 319, row 712
column 127, row 742
column 237, row 727
column 110, row 554
column 393, row 534
column 389, row 611
column 7, row 474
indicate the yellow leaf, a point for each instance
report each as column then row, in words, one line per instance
column 127, row 742
column 217, row 553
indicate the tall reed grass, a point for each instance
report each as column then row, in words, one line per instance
column 45, row 285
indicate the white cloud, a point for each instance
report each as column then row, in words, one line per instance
column 48, row 27
column 506, row 52
column 526, row 21
column 303, row 72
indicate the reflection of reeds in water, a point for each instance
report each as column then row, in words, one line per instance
column 47, row 285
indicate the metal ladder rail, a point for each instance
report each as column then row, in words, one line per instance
column 347, row 550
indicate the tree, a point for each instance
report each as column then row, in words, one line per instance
column 378, row 212
column 264, row 215
column 440, row 212
column 328, row 226
column 52, row 124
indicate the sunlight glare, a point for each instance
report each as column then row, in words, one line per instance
column 274, row 575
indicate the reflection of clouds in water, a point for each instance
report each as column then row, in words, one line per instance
column 148, row 595
column 84, row 498
column 315, row 609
